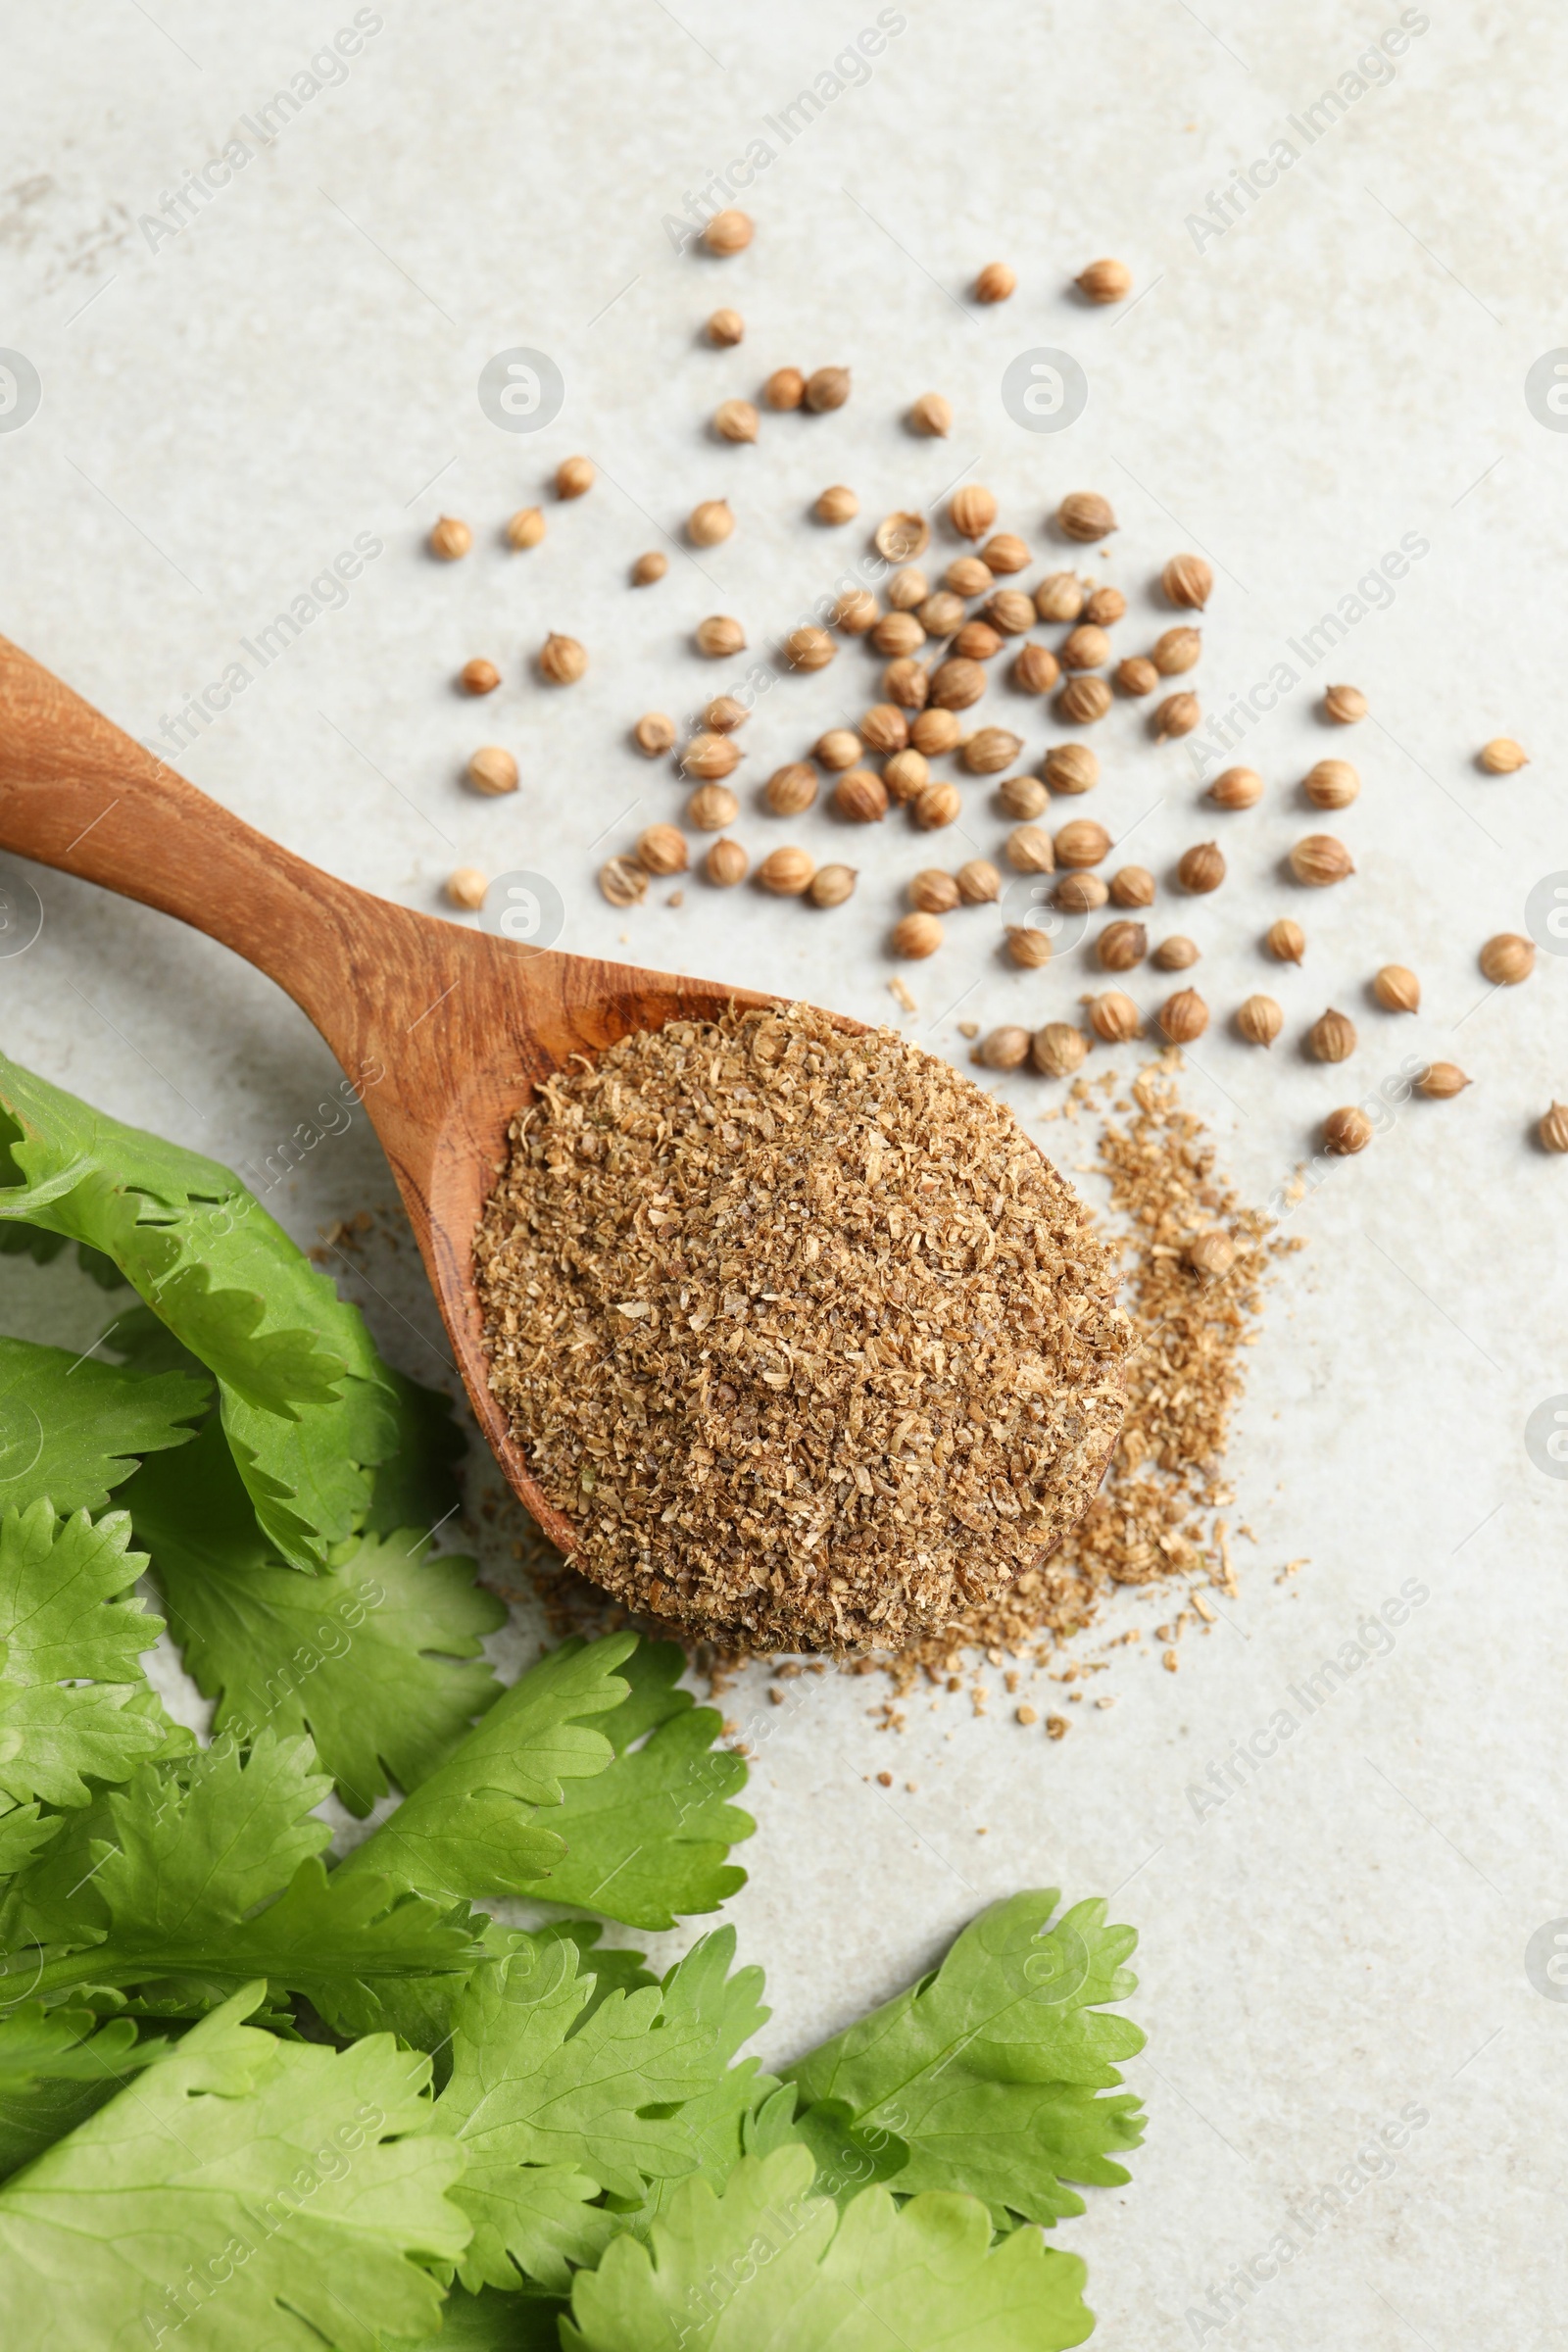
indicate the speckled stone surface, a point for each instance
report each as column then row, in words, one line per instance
column 1311, row 379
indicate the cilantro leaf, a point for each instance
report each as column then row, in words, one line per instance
column 555, row 2097
column 766, row 2263
column 493, row 2321
column 191, row 1849
column 55, row 2071
column 989, row 2067
column 71, row 1428
column 416, row 1484
column 304, row 1396
column 378, row 1658
column 648, row 1838
column 31, row 1240
column 476, row 1828
column 246, row 2191
column 70, row 1646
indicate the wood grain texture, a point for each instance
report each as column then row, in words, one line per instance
column 459, row 1024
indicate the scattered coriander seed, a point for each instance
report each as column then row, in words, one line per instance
column 907, row 588
column 1200, row 869
column 1083, row 701
column 971, row 511
column 1105, row 607
column 791, row 789
column 1507, row 960
column 936, row 731
column 990, row 750
column 1085, row 647
column 466, row 888
column 1259, row 1020
column 1188, row 580
column 725, row 714
column 1104, row 281
column 1552, row 1129
column 1036, row 669
column 810, row 648
column 1028, row 946
column 1177, row 650
column 884, row 729
column 711, row 808
column 903, row 536
column 1084, row 514
column 1082, row 842
column 1011, row 611
column 653, row 733
column 856, row 611
column 1023, row 796
column 1177, row 954
column 726, row 863
column 932, row 414
column 573, row 477
column 1136, row 676
column 450, row 538
column 735, row 420
column 786, row 872
column 1331, row 1037
column 837, row 750
column 718, row 635
column 942, row 614
column 861, row 796
column 1347, row 1131
column 661, row 850
column 933, row 892
column 478, row 677
column 969, row 576
column 729, row 232
column 836, row 504
column 1344, row 704
column 1441, row 1081
column 1285, row 941
column 1029, row 850
column 1183, row 1017
column 915, row 936
column 957, row 683
column 995, row 284
column 649, row 569
column 1502, row 757
column 1058, row 1049
column 1121, row 945
column 1132, row 886
column 938, row 804
column 977, row 640
column 906, row 682
column 1211, row 1255
column 1331, row 784
column 562, row 660
column 1397, row 988
column 710, row 522
column 785, row 388
column 831, row 885
column 898, row 633
column 1071, row 768
column 1080, row 894
column 622, row 881
column 493, row 770
column 1318, row 859
column 827, row 388
column 979, row 883
column 1177, row 714
column 1005, row 552
column 1114, row 1017
column 906, row 775
column 710, row 757
column 1061, row 596
column 527, row 527
column 1237, row 788
column 725, row 328
column 1005, row 1049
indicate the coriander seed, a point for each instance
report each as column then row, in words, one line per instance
column 1005, row 1049
column 831, row 885
column 710, row 523
column 725, row 864
column 1177, row 650
column 935, row 732
column 1071, row 768
column 1082, row 842
column 1005, row 552
column 1022, row 796
column 979, row 883
column 1114, row 1017
column 1084, row 514
column 527, row 527
column 1553, row 1128
column 791, row 789
column 1080, row 894
column 785, row 388
column 710, row 757
column 1176, row 954
column 838, row 749
column 1318, row 861
column 861, row 796
column 1027, row 946
column 1502, row 757
column 1331, row 1037
column 653, row 733
column 1058, row 1049
column 1507, row 960
column 827, row 388
column 1200, row 869
column 906, row 775
column 907, row 588
column 903, row 536
column 1397, row 988
column 884, row 729
column 1061, row 596
column 1259, row 1020
column 1029, row 850
column 836, row 504
column 957, row 683
column 898, row 633
column 995, row 284
column 735, row 420
column 1035, row 670
column 786, row 872
column 1177, row 714
column 725, row 328
column 1083, row 701
column 977, row 640
column 1285, row 941
column 1132, row 886
column 942, row 614
column 562, row 660
column 1344, row 704
column 938, row 804
column 931, row 414
column 1085, row 647
column 969, row 576
column 1105, row 607
column 649, row 569
column 810, row 648
column 906, row 682
column 661, row 850
column 729, row 232
column 466, row 888
column 1183, row 1017
column 1188, row 580
column 856, row 611
column 450, row 539
column 478, row 677
column 1104, row 281
column 1331, row 784
column 990, row 750
column 971, row 511
column 1347, row 1131
column 725, row 712
column 1237, row 788
column 915, row 936
column 622, row 881
column 493, row 770
column 933, row 892
column 1121, row 946
column 719, row 636
column 1441, row 1081
column 1211, row 1255
column 711, row 808
column 1011, row 611
column 574, row 476
column 1136, row 676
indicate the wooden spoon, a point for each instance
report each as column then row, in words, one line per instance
column 460, row 1024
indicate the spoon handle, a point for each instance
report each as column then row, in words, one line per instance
column 77, row 792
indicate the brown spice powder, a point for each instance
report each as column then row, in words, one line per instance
column 800, row 1329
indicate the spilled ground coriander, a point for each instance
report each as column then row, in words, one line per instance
column 799, row 1327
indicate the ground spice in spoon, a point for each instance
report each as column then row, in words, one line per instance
column 799, row 1327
